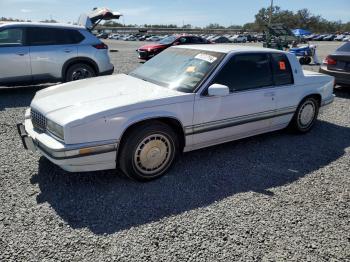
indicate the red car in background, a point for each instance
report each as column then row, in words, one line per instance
column 148, row 51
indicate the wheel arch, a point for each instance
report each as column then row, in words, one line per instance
column 317, row 96
column 171, row 121
column 76, row 60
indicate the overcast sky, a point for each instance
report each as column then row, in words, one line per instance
column 195, row 12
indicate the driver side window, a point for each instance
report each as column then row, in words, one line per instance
column 246, row 71
column 11, row 37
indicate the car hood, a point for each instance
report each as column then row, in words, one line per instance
column 81, row 101
column 153, row 46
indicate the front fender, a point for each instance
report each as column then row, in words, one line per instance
column 124, row 125
column 112, row 127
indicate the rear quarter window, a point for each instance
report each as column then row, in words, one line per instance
column 282, row 70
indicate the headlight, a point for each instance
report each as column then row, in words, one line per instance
column 55, row 129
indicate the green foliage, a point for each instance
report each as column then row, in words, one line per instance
column 49, row 21
column 214, row 26
column 299, row 19
column 5, row 19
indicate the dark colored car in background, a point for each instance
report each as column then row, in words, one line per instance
column 102, row 36
column 338, row 65
column 148, row 51
column 252, row 38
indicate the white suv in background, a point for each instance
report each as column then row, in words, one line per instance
column 39, row 52
column 239, row 39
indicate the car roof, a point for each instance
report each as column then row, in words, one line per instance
column 38, row 24
column 228, row 48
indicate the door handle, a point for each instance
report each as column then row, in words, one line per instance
column 67, row 50
column 21, row 54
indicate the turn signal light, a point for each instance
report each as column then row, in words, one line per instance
column 329, row 61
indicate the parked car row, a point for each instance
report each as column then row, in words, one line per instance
column 328, row 37
column 239, row 38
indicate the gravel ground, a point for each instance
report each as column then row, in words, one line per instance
column 275, row 197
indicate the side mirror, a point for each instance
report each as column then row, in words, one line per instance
column 218, row 90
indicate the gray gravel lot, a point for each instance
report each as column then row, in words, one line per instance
column 275, row 197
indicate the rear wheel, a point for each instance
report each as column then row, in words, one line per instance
column 305, row 116
column 79, row 71
column 148, row 151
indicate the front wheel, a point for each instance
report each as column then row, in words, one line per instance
column 148, row 151
column 305, row 116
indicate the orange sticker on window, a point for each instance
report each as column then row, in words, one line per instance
column 191, row 69
column 282, row 65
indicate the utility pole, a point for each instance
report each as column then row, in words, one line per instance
column 268, row 35
column 270, row 19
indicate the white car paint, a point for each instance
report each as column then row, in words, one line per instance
column 98, row 111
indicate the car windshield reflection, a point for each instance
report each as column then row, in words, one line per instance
column 178, row 68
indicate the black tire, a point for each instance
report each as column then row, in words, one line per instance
column 137, row 146
column 79, row 71
column 307, row 60
column 302, row 60
column 300, row 125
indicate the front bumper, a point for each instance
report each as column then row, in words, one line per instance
column 340, row 77
column 73, row 158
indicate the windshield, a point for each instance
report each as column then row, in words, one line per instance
column 168, row 40
column 178, row 68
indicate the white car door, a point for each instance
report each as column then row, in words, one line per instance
column 14, row 56
column 287, row 92
column 248, row 108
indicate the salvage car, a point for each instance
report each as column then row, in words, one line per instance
column 338, row 65
column 148, row 51
column 186, row 98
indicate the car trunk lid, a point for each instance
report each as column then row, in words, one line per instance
column 92, row 19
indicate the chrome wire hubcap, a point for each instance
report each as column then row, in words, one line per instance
column 152, row 154
column 81, row 74
column 307, row 114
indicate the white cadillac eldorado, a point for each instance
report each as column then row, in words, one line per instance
column 186, row 98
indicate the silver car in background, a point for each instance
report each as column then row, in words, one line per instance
column 40, row 52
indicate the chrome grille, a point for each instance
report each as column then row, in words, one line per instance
column 38, row 120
